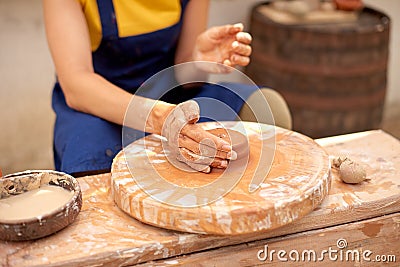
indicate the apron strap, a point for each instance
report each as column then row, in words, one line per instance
column 108, row 20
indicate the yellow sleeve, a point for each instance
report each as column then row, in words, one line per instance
column 91, row 11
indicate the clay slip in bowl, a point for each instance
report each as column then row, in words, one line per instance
column 48, row 223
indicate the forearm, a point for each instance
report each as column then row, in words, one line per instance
column 90, row 93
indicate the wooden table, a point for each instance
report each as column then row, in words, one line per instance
column 353, row 220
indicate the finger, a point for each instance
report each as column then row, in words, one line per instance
column 197, row 167
column 216, row 68
column 244, row 37
column 227, row 62
column 194, row 158
column 238, row 27
column 219, row 163
column 198, row 134
column 219, row 32
column 204, row 150
column 188, row 157
column 229, row 66
column 225, row 67
column 240, row 60
column 241, row 49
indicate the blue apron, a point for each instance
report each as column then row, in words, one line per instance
column 85, row 143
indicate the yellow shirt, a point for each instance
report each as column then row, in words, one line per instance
column 134, row 17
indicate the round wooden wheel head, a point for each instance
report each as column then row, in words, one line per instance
column 291, row 171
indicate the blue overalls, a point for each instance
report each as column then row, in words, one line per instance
column 84, row 143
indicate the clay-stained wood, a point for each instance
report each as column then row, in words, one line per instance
column 104, row 235
column 373, row 242
column 297, row 182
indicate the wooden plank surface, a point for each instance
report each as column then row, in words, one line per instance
column 298, row 180
column 372, row 242
column 103, row 234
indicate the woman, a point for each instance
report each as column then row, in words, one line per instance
column 104, row 50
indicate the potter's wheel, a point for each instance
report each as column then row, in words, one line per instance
column 291, row 173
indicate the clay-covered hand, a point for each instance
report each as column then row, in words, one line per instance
column 190, row 143
column 227, row 45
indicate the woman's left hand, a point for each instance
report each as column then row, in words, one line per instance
column 228, row 45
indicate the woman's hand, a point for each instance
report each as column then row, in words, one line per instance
column 188, row 142
column 227, row 45
column 191, row 144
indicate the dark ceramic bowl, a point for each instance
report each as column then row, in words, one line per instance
column 49, row 223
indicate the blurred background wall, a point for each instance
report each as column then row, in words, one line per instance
column 27, row 76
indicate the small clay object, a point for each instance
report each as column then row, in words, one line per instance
column 349, row 5
column 238, row 141
column 349, row 171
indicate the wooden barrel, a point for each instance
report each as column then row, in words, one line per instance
column 333, row 75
